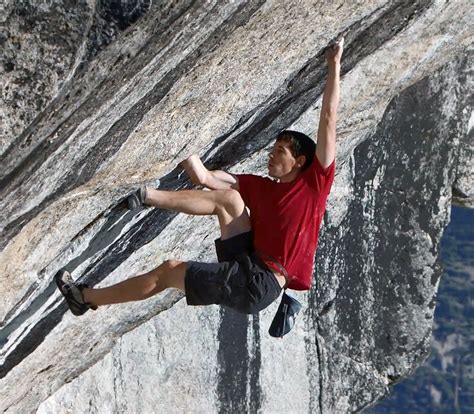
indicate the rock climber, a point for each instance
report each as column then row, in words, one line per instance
column 259, row 254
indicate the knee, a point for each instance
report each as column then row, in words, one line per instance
column 170, row 264
column 232, row 200
column 172, row 274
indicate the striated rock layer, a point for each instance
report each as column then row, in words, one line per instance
column 220, row 79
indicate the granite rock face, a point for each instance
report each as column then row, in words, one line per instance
column 220, row 79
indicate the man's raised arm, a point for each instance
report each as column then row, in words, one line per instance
column 326, row 144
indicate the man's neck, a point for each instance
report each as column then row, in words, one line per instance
column 291, row 176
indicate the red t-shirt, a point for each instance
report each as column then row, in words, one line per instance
column 286, row 218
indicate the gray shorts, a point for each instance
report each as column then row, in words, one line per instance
column 241, row 280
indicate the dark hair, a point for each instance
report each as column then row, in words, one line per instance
column 300, row 144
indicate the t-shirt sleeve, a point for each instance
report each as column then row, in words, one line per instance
column 247, row 185
column 320, row 178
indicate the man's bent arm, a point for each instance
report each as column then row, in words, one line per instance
column 214, row 180
column 326, row 144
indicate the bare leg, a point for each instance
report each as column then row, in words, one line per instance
column 169, row 274
column 196, row 202
column 227, row 205
column 233, row 219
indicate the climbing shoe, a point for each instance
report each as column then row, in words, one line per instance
column 285, row 316
column 137, row 199
column 72, row 292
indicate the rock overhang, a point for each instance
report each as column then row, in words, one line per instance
column 60, row 203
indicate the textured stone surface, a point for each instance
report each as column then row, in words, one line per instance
column 220, row 79
column 382, row 270
column 39, row 53
column 48, row 43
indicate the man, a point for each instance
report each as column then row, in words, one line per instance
column 260, row 254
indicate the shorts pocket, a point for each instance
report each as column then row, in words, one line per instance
column 262, row 291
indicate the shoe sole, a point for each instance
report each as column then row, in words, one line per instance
column 62, row 279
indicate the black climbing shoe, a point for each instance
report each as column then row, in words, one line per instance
column 137, row 199
column 72, row 292
column 285, row 316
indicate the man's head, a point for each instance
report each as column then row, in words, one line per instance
column 293, row 152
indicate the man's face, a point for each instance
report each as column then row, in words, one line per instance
column 281, row 161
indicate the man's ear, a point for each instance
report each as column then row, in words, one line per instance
column 300, row 161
